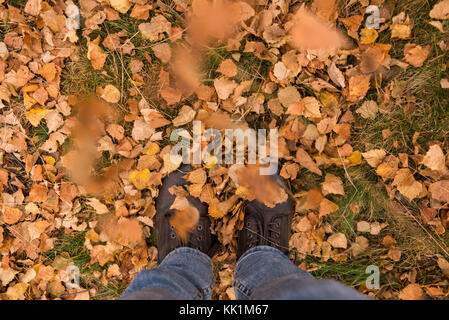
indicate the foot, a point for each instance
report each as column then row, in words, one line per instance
column 167, row 240
column 266, row 226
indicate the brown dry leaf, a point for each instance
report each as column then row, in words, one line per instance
column 116, row 131
column 141, row 130
column 111, row 94
column 438, row 25
column 197, row 176
column 336, row 75
column 353, row 24
column 412, row 291
column 95, row 54
column 434, row 291
column 401, row 27
column 368, row 110
column 289, row 171
column 440, row 10
column 185, row 115
column 185, row 217
column 327, row 207
column 170, row 95
column 435, row 159
column 154, row 31
column 338, row 240
column 141, row 11
column 444, row 83
column 332, row 185
column 162, row 51
column 440, row 190
column 228, row 68
column 406, row 184
column 313, row 199
column 48, row 71
column 311, row 107
column 224, row 87
column 415, row 54
column 289, row 95
column 99, row 207
column 68, row 192
column 11, row 215
column 444, row 266
column 374, row 157
column 303, row 158
column 358, row 86
column 38, row 193
column 388, row 168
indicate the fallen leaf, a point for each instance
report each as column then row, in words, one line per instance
column 35, row 115
column 140, row 178
column 406, row 184
column 185, row 115
column 228, row 68
column 338, row 240
column 303, row 158
column 412, row 291
column 440, row 10
column 415, row 54
column 368, row 110
column 374, row 157
column 111, row 94
column 185, row 217
column 440, row 190
column 332, row 185
column 121, row 6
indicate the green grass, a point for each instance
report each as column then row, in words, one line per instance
column 72, row 249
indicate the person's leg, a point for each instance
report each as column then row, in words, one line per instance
column 185, row 268
column 185, row 273
column 263, row 270
column 265, row 273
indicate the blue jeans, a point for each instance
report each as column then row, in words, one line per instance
column 262, row 273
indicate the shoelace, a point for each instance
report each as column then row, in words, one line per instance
column 268, row 240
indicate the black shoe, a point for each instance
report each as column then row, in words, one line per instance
column 167, row 240
column 266, row 226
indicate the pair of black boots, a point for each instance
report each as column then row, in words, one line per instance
column 262, row 225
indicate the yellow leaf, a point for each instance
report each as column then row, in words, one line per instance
column 121, row 6
column 50, row 160
column 241, row 192
column 210, row 161
column 355, row 157
column 401, row 31
column 153, row 149
column 140, row 178
column 215, row 212
column 368, row 36
column 35, row 115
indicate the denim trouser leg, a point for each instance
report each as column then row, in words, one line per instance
column 185, row 273
column 265, row 273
